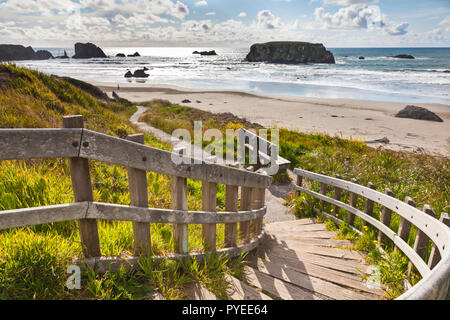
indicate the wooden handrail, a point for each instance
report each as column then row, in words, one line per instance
column 105, row 211
column 435, row 282
column 17, row 144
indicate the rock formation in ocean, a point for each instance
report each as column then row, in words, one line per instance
column 136, row 54
column 402, row 56
column 206, row 53
column 361, row 58
column 418, row 113
column 128, row 74
column 10, row 52
column 140, row 73
column 87, row 51
column 65, row 56
column 290, row 53
column 120, row 55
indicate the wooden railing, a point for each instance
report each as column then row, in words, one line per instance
column 79, row 145
column 436, row 272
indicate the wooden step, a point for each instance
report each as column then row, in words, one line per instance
column 307, row 234
column 196, row 291
column 287, row 226
column 312, row 241
column 242, row 291
column 311, row 283
column 292, row 258
column 277, row 287
column 296, row 246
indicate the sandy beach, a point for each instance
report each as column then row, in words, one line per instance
column 361, row 119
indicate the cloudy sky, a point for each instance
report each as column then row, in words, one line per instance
column 336, row 23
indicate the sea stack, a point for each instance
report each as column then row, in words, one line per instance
column 290, row 53
column 10, row 52
column 87, row 51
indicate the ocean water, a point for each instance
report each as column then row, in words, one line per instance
column 423, row 80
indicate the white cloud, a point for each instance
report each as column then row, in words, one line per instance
column 267, row 20
column 396, row 29
column 446, row 23
column 242, row 15
column 201, row 3
column 210, row 14
column 359, row 17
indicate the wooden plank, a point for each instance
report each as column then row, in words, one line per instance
column 421, row 242
column 137, row 180
column 277, row 287
column 368, row 206
column 295, row 246
column 386, row 215
column 107, row 211
column 343, row 279
column 299, row 183
column 349, row 266
column 304, row 221
column 231, row 205
column 209, row 203
column 353, row 201
column 105, row 148
column 178, row 190
column 287, row 226
column 196, row 291
column 311, row 283
column 312, row 241
column 39, row 143
column 40, row 215
column 310, row 234
column 244, row 227
column 435, row 256
column 405, row 226
column 82, row 189
column 241, row 291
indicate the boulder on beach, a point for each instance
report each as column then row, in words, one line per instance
column 418, row 113
column 128, row 74
column 10, row 52
column 186, row 101
column 120, row 55
column 289, row 53
column 87, row 51
column 140, row 73
column 136, row 54
column 402, row 56
column 65, row 56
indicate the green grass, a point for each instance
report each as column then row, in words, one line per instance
column 34, row 260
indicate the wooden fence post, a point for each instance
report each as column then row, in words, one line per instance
column 353, row 201
column 405, row 226
column 82, row 189
column 137, row 180
column 178, row 189
column 257, row 202
column 386, row 215
column 231, row 205
column 299, row 183
column 337, row 196
column 422, row 240
column 323, row 190
column 244, row 226
column 435, row 256
column 209, row 203
column 368, row 207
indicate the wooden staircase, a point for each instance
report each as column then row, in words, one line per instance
column 300, row 260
